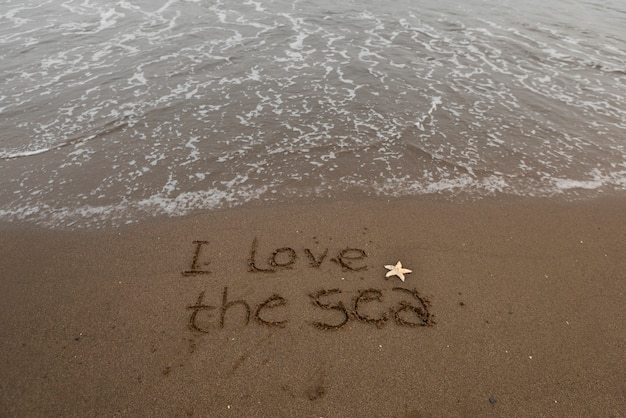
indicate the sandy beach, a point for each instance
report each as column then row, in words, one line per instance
column 512, row 308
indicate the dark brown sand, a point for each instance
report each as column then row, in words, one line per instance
column 512, row 309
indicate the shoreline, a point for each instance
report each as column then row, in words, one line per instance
column 513, row 307
column 113, row 217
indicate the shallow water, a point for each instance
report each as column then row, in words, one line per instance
column 111, row 112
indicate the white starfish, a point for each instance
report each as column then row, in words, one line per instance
column 397, row 270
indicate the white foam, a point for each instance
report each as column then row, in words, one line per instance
column 15, row 20
column 595, row 180
column 6, row 154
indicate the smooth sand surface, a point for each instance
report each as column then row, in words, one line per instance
column 514, row 308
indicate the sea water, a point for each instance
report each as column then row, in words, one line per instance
column 115, row 111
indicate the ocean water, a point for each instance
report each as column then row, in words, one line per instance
column 115, row 111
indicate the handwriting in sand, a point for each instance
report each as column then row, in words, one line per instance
column 332, row 309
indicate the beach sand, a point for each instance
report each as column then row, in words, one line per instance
column 513, row 308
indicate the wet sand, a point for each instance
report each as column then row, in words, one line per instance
column 513, row 308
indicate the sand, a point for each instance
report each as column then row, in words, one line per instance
column 513, row 308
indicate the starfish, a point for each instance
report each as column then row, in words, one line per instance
column 396, row 270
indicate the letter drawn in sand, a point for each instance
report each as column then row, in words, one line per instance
column 349, row 255
column 252, row 267
column 315, row 261
column 195, row 267
column 277, row 260
column 369, row 295
column 228, row 305
column 420, row 311
column 272, row 302
column 193, row 319
column 339, row 306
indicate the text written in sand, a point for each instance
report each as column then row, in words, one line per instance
column 324, row 309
